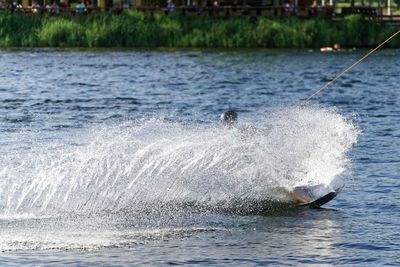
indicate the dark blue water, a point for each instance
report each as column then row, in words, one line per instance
column 89, row 139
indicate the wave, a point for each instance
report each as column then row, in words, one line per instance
column 149, row 162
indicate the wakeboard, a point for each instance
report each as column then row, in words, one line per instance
column 312, row 196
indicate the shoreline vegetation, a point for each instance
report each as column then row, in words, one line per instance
column 134, row 30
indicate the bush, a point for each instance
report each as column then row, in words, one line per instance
column 133, row 29
column 61, row 32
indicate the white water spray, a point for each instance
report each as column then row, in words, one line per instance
column 137, row 163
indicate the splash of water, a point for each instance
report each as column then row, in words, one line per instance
column 153, row 161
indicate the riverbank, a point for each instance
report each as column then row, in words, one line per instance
column 132, row 29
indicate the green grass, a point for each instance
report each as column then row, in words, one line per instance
column 132, row 29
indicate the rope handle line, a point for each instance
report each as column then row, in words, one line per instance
column 349, row 68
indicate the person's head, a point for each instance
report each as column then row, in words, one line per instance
column 228, row 118
column 336, row 46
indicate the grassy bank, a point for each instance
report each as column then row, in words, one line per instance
column 134, row 30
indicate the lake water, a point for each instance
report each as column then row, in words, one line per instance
column 106, row 156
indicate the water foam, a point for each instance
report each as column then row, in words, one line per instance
column 132, row 164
